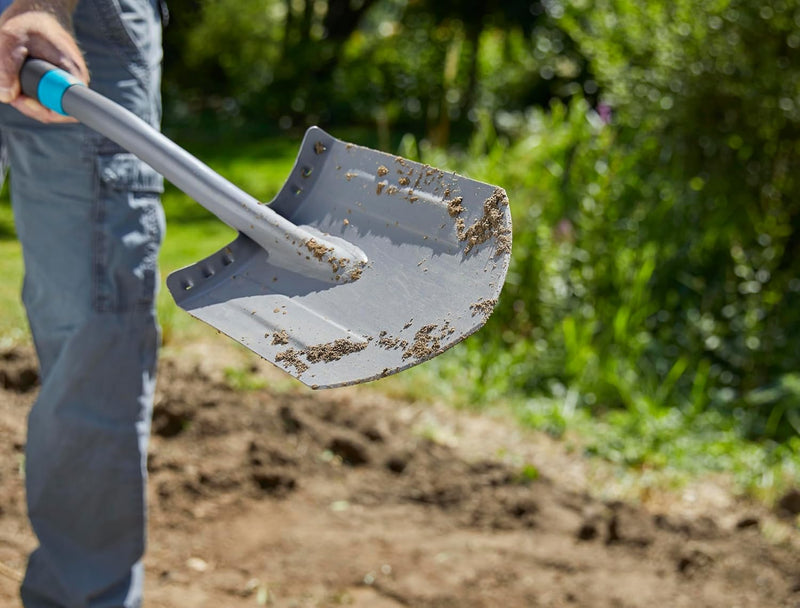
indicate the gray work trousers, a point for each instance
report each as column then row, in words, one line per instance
column 90, row 222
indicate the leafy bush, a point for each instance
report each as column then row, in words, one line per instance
column 710, row 89
column 656, row 264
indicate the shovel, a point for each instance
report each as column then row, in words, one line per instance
column 363, row 265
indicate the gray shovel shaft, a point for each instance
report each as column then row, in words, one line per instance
column 174, row 163
column 181, row 168
column 280, row 237
column 125, row 128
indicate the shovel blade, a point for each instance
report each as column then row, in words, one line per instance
column 438, row 248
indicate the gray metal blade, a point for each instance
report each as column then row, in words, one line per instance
column 438, row 248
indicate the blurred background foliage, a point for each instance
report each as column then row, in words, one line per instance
column 651, row 153
column 409, row 65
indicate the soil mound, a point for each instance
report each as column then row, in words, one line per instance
column 346, row 497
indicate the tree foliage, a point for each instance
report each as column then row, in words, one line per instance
column 416, row 64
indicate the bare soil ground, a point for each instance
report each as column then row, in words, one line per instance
column 291, row 498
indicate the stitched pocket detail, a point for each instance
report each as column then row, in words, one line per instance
column 129, row 228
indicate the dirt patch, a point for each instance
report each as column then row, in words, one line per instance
column 331, row 351
column 321, row 252
column 318, row 250
column 484, row 308
column 390, row 342
column 296, row 498
column 455, row 206
column 18, row 373
column 491, row 224
column 291, row 358
column 334, row 351
column 428, row 341
column 280, row 337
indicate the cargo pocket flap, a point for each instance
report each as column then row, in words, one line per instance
column 125, row 171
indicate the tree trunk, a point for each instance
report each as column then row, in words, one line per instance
column 288, row 31
column 474, row 32
column 341, row 20
column 308, row 19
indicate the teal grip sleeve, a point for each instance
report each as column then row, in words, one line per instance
column 52, row 87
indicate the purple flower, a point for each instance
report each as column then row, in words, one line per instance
column 604, row 111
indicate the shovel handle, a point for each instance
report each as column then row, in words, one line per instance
column 61, row 92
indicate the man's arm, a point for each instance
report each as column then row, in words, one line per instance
column 41, row 29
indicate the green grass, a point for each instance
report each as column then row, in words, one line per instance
column 13, row 326
column 648, row 449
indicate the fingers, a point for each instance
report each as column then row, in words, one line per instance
column 41, row 35
column 59, row 48
column 33, row 109
column 13, row 53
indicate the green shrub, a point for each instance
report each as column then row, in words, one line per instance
column 656, row 264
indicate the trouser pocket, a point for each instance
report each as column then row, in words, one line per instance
column 131, row 28
column 130, row 227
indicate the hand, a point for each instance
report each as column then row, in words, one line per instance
column 41, row 29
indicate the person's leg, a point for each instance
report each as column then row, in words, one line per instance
column 90, row 222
